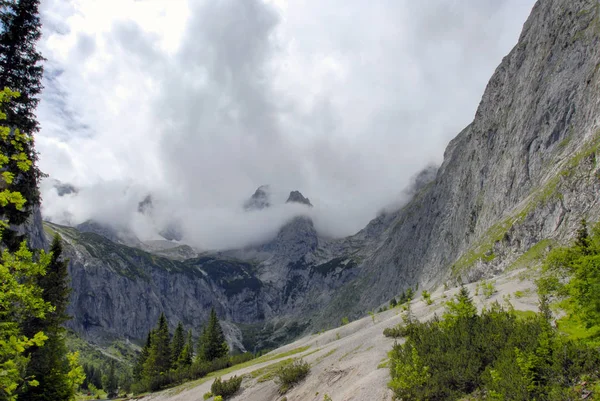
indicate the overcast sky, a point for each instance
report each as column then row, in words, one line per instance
column 199, row 102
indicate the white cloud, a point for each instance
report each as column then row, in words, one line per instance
column 201, row 102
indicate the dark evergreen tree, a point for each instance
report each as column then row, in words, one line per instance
column 159, row 358
column 582, row 239
column 109, row 381
column 138, row 368
column 213, row 345
column 21, row 70
column 49, row 364
column 177, row 344
column 185, row 358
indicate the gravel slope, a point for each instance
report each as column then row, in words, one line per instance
column 346, row 362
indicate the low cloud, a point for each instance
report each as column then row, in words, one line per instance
column 201, row 102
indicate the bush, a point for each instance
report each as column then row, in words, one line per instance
column 395, row 332
column 493, row 352
column 290, row 374
column 427, row 297
column 226, row 388
column 345, row 321
column 206, row 396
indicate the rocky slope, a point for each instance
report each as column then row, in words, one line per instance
column 525, row 170
column 348, row 362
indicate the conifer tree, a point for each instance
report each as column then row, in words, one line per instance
column 21, row 71
column 109, row 381
column 213, row 345
column 138, row 368
column 49, row 364
column 177, row 344
column 159, row 358
column 582, row 239
column 185, row 358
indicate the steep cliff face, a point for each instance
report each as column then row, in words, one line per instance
column 523, row 171
column 526, row 168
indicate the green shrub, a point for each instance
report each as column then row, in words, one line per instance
column 345, row 321
column 206, row 396
column 290, row 374
column 493, row 353
column 395, row 332
column 393, row 303
column 226, row 388
column 427, row 297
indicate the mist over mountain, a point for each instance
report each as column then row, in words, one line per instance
column 199, row 103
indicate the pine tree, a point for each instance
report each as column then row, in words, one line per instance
column 49, row 364
column 21, row 71
column 582, row 239
column 138, row 369
column 213, row 340
column 109, row 381
column 185, row 358
column 177, row 344
column 159, row 358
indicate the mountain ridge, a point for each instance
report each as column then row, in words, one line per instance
column 523, row 171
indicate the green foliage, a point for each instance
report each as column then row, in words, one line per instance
column 393, row 303
column 510, row 358
column 177, row 344
column 461, row 307
column 212, row 343
column 21, row 297
column 573, row 275
column 487, row 289
column 21, row 71
column 426, row 297
column 395, row 332
column 159, row 355
column 76, row 375
column 505, row 354
column 109, row 381
column 345, row 321
column 49, row 364
column 226, row 388
column 290, row 374
column 206, row 396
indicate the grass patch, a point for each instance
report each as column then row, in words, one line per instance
column 262, row 359
column 349, row 353
column 319, row 359
column 521, row 294
column 534, row 255
column 384, row 364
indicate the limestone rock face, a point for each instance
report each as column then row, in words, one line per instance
column 525, row 170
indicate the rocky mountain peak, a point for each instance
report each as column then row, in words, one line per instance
column 297, row 197
column 259, row 200
column 145, row 206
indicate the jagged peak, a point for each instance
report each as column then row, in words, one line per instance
column 297, row 197
column 260, row 199
column 145, row 206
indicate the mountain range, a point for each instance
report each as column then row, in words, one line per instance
column 519, row 177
